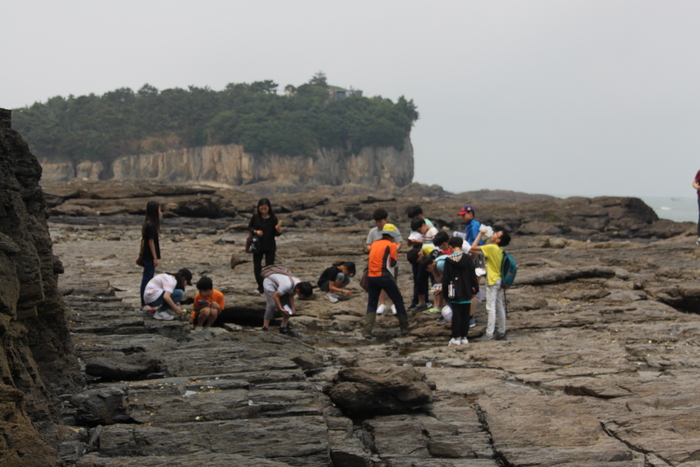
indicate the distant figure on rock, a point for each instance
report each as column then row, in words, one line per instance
column 696, row 185
column 459, row 284
column 166, row 291
column 149, row 253
column 471, row 231
column 280, row 290
column 335, row 278
column 493, row 252
column 381, row 217
column 208, row 304
column 381, row 277
column 266, row 227
column 422, row 277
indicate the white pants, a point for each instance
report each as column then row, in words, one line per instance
column 495, row 309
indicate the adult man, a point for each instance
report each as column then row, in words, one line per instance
column 279, row 290
column 381, row 217
column 696, row 185
column 471, row 230
column 381, row 278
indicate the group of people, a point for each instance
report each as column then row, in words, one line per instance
column 450, row 264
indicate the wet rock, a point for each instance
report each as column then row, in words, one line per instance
column 382, row 391
column 132, row 367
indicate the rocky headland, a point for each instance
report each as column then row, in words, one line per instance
column 600, row 364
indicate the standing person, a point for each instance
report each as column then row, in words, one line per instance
column 266, row 227
column 459, row 284
column 493, row 252
column 150, row 247
column 381, row 277
column 696, row 185
column 208, row 304
column 335, row 278
column 167, row 291
column 380, row 217
column 471, row 230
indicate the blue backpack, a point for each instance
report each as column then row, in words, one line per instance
column 509, row 269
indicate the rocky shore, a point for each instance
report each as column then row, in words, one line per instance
column 600, row 365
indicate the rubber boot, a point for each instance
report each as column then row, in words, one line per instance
column 370, row 318
column 405, row 327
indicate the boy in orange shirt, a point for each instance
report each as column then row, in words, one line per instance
column 208, row 304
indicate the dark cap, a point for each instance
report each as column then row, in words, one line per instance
column 184, row 272
column 465, row 210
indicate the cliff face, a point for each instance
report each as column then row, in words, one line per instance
column 37, row 361
column 229, row 164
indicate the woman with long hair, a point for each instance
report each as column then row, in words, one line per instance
column 150, row 248
column 266, row 227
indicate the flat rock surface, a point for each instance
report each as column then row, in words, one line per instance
column 600, row 365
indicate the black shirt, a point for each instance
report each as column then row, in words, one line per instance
column 267, row 241
column 149, row 232
column 328, row 275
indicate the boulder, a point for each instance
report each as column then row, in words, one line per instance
column 379, row 391
column 104, row 406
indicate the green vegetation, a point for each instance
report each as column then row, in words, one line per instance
column 124, row 122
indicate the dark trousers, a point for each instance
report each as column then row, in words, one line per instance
column 257, row 265
column 387, row 284
column 420, row 283
column 460, row 319
column 699, row 219
column 149, row 270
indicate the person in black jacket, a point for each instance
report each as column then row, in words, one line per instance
column 459, row 284
column 150, row 247
column 266, row 227
column 335, row 278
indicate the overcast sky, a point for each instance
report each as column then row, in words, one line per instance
column 560, row 97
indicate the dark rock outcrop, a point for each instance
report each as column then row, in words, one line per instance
column 37, row 360
column 382, row 391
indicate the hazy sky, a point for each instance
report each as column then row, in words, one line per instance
column 559, row 97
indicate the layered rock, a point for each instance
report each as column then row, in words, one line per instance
column 37, row 360
column 230, row 164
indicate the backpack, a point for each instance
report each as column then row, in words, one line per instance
column 509, row 269
column 271, row 269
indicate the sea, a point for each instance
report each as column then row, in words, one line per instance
column 680, row 209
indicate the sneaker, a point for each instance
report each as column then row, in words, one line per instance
column 148, row 309
column 163, row 315
column 433, row 310
column 331, row 297
column 265, row 329
column 368, row 335
column 500, row 336
column 287, row 331
column 393, row 309
column 381, row 310
column 485, row 337
column 419, row 307
column 455, row 341
column 472, row 323
column 464, row 340
column 698, row 241
column 442, row 321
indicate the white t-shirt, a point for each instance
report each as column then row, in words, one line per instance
column 159, row 284
column 429, row 235
column 373, row 236
column 280, row 283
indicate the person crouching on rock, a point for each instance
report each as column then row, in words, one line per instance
column 335, row 278
column 380, row 275
column 208, row 304
column 166, row 291
column 279, row 292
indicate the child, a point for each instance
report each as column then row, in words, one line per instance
column 334, row 279
column 381, row 277
column 459, row 283
column 380, row 217
column 471, row 231
column 279, row 290
column 419, row 225
column 166, row 291
column 438, row 251
column 208, row 304
column 493, row 252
